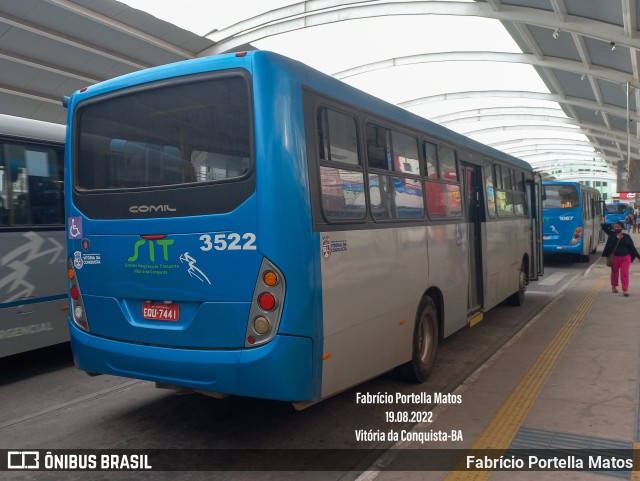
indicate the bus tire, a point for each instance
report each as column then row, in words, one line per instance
column 424, row 344
column 517, row 298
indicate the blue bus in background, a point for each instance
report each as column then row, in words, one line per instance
column 572, row 216
column 616, row 212
column 246, row 225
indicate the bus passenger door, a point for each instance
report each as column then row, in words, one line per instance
column 472, row 191
column 534, row 199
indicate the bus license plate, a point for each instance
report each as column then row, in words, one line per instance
column 161, row 312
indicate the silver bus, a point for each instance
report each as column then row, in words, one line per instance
column 33, row 300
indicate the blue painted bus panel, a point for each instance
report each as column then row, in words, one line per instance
column 283, row 203
column 265, row 372
column 571, row 218
column 172, row 268
column 215, row 291
column 615, row 212
column 558, row 227
column 215, row 325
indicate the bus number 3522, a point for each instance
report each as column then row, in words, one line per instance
column 232, row 242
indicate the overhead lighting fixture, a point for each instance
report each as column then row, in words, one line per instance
column 613, row 46
column 556, row 33
column 582, row 77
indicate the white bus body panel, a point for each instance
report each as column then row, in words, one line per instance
column 372, row 284
column 506, row 243
column 32, row 267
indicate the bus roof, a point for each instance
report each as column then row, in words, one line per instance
column 575, row 184
column 20, row 127
column 307, row 76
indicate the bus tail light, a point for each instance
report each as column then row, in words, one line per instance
column 261, row 325
column 266, row 301
column 266, row 307
column 577, row 234
column 78, row 313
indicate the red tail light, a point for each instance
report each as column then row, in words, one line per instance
column 266, row 301
column 266, row 306
column 76, row 308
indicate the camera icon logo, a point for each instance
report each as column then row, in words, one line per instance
column 23, row 460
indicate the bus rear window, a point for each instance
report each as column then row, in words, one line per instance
column 560, row 197
column 167, row 135
column 616, row 209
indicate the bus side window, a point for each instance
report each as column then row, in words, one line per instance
column 408, row 194
column 519, row 194
column 491, row 194
column 341, row 173
column 431, row 160
column 447, row 164
column 31, row 185
column 378, row 147
column 444, row 197
column 379, row 156
column 395, row 192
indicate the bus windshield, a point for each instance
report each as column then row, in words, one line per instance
column 616, row 208
column 196, row 131
column 560, row 197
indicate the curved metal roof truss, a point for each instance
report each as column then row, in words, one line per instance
column 585, row 52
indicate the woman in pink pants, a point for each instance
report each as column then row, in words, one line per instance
column 624, row 251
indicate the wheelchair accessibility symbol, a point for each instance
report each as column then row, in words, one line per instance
column 75, row 227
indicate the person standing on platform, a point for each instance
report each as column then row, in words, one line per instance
column 621, row 247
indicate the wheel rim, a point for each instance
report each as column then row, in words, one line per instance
column 426, row 339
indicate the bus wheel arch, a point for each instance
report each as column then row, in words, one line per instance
column 425, row 339
column 517, row 298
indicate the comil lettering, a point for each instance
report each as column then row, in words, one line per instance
column 143, row 209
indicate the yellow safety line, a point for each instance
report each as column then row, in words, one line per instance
column 506, row 423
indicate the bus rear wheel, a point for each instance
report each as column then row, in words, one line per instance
column 425, row 344
column 517, row 298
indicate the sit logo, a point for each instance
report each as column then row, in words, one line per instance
column 164, row 243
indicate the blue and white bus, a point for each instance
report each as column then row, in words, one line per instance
column 616, row 212
column 572, row 216
column 33, row 288
column 246, row 225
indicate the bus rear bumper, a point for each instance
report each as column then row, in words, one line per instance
column 563, row 249
column 281, row 369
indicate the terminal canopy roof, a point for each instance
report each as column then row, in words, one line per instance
column 554, row 82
